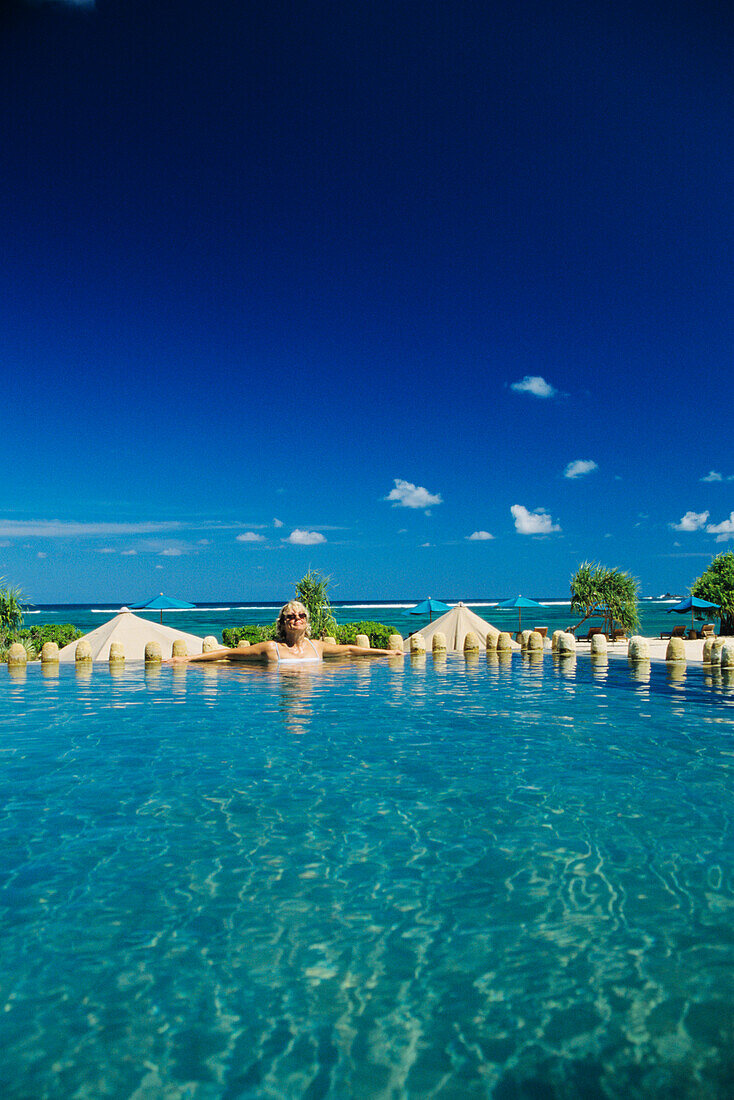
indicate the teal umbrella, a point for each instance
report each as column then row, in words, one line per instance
column 692, row 603
column 163, row 603
column 518, row 602
column 428, row 607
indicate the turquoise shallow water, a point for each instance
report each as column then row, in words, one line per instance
column 367, row 880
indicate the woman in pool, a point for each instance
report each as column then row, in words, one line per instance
column 293, row 644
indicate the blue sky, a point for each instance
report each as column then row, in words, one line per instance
column 436, row 298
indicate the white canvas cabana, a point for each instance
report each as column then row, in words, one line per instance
column 455, row 625
column 133, row 632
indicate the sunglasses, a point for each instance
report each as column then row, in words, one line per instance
column 296, row 616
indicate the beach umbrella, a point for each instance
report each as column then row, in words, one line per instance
column 133, row 633
column 692, row 603
column 163, row 603
column 518, row 602
column 455, row 625
column 429, row 607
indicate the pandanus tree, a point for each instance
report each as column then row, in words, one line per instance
column 11, row 609
column 312, row 591
column 611, row 593
column 717, row 586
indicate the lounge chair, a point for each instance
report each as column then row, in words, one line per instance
column 708, row 630
column 676, row 632
column 587, row 637
column 542, row 630
column 619, row 634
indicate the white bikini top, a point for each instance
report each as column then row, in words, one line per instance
column 299, row 660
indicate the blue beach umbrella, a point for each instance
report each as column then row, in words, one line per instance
column 518, row 602
column 692, row 603
column 428, row 607
column 163, row 603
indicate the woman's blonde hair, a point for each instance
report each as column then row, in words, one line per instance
column 286, row 609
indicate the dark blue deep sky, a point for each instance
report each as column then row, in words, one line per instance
column 264, row 261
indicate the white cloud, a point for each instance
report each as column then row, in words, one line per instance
column 128, row 553
column 305, row 538
column 534, row 385
column 713, row 475
column 277, row 523
column 724, row 530
column 105, row 550
column 407, row 495
column 532, row 523
column 171, row 552
column 691, row 521
column 250, row 536
column 41, row 554
column 54, row 528
column 479, row 536
column 425, row 544
column 579, row 467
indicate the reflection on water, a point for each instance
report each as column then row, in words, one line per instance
column 434, row 878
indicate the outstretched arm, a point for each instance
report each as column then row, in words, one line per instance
column 259, row 653
column 330, row 650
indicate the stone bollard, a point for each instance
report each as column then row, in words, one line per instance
column 83, row 651
column 117, row 653
column 716, row 649
column 17, row 656
column 49, row 653
column 727, row 654
column 178, row 649
column 504, row 642
column 491, row 644
column 471, row 643
column 328, row 640
column 209, row 644
column 395, row 641
column 362, row 641
column 439, row 642
column 638, row 649
column 599, row 645
column 554, row 639
column 417, row 645
column 535, row 642
column 566, row 643
column 708, row 645
column 153, row 653
column 676, row 650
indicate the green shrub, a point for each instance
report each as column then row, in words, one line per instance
column 233, row 635
column 33, row 638
column 378, row 633
column 61, row 633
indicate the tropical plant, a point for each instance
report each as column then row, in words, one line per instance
column 11, row 608
column 717, row 586
column 232, row 636
column 600, row 590
column 378, row 633
column 312, row 591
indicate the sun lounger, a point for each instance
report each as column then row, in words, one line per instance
column 708, row 630
column 676, row 632
column 542, row 630
column 587, row 637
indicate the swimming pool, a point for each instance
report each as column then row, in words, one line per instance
column 405, row 879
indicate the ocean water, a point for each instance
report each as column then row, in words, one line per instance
column 555, row 613
column 367, row 879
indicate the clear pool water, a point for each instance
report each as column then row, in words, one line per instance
column 367, row 880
